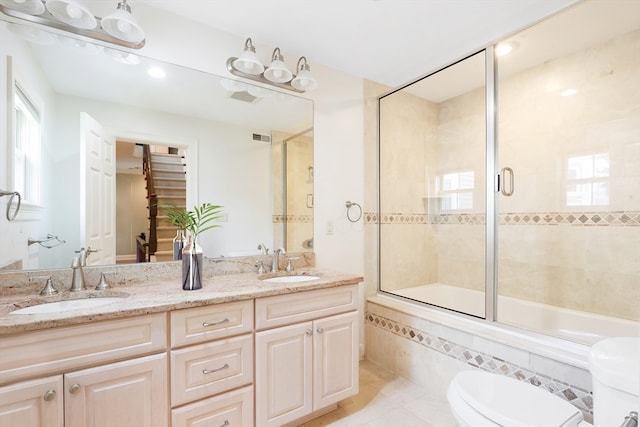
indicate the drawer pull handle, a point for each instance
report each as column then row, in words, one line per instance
column 219, row 322
column 74, row 388
column 225, row 424
column 49, row 395
column 211, row 371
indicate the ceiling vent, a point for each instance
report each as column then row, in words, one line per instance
column 244, row 96
column 260, row 137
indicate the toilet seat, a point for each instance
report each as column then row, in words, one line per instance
column 497, row 400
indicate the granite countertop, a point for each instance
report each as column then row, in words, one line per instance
column 159, row 296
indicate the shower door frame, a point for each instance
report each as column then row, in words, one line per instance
column 492, row 185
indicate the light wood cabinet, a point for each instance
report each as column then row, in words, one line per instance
column 218, row 359
column 132, row 393
column 35, row 403
column 279, row 358
column 307, row 366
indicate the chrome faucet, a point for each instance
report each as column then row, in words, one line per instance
column 276, row 259
column 77, row 281
column 263, row 248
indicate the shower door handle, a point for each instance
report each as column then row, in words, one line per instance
column 502, row 182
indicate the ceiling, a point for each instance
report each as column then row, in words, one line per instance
column 387, row 41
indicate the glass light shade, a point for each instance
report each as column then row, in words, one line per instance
column 30, row 7
column 304, row 80
column 248, row 63
column 278, row 72
column 123, row 57
column 122, row 25
column 72, row 12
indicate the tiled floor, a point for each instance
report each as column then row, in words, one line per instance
column 388, row 400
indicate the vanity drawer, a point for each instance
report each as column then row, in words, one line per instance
column 298, row 307
column 230, row 409
column 206, row 369
column 38, row 353
column 200, row 324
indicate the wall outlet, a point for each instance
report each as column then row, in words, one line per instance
column 329, row 228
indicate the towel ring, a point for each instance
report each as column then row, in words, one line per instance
column 11, row 216
column 349, row 205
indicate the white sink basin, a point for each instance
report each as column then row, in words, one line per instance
column 290, row 279
column 67, row 305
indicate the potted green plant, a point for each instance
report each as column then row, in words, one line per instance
column 195, row 222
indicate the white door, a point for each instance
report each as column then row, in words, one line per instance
column 97, row 192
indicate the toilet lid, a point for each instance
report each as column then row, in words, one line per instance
column 509, row 402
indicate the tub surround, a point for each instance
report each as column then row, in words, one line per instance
column 449, row 349
column 151, row 288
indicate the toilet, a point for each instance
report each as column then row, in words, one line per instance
column 615, row 369
column 483, row 399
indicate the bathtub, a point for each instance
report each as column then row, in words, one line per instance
column 573, row 325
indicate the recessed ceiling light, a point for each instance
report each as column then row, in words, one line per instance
column 157, row 73
column 568, row 92
column 506, row 48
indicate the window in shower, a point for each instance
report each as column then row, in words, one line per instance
column 432, row 153
column 588, row 180
column 456, row 190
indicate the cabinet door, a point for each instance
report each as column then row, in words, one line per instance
column 37, row 403
column 132, row 393
column 335, row 356
column 283, row 374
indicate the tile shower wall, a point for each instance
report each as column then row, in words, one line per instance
column 299, row 197
column 577, row 257
column 433, row 354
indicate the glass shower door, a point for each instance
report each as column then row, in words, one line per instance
column 569, row 128
column 432, row 157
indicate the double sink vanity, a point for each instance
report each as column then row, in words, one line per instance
column 247, row 349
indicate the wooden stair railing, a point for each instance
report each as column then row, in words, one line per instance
column 152, row 200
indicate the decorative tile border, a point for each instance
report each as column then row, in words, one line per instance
column 292, row 218
column 582, row 399
column 614, row 218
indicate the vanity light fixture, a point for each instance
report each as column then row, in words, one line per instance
column 74, row 16
column 248, row 65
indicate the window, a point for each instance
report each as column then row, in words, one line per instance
column 456, row 190
column 26, row 149
column 588, row 180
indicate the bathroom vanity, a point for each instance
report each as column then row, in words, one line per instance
column 240, row 352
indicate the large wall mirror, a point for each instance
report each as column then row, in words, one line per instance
column 247, row 148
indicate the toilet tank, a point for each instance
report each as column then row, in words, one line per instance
column 615, row 367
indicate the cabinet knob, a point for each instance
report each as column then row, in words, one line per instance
column 309, row 332
column 319, row 330
column 225, row 424
column 74, row 388
column 49, row 395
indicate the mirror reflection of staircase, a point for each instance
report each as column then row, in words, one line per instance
column 166, row 186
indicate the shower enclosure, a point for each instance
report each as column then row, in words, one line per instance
column 509, row 184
